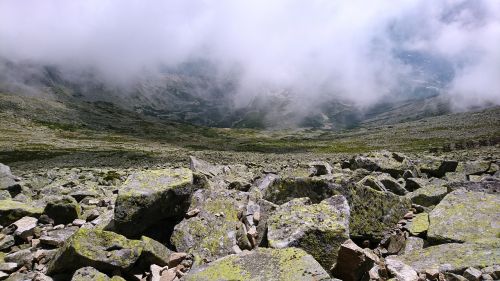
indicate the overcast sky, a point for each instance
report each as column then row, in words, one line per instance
column 354, row 49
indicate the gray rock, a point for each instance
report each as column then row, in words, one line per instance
column 280, row 191
column 210, row 234
column 451, row 219
column 387, row 162
column 413, row 244
column 430, row 193
column 25, row 227
column 153, row 252
column 491, row 186
column 437, row 167
column 353, row 262
column 57, row 237
column 374, row 212
column 473, row 167
column 319, row 229
column 400, row 270
column 8, row 266
column 472, row 274
column 8, row 181
column 11, row 211
column 21, row 257
column 63, row 210
column 89, row 274
column 453, row 257
column 150, row 196
column 7, row 242
column 106, row 251
column 262, row 264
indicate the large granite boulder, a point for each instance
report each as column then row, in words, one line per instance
column 11, row 211
column 374, row 212
column 464, row 216
column 211, row 233
column 7, row 180
column 473, row 167
column 384, row 182
column 353, row 262
column 105, row 251
column 150, row 196
column 282, row 190
column 430, row 193
column 394, row 164
column 319, row 229
column 452, row 257
column 63, row 210
column 262, row 264
column 437, row 167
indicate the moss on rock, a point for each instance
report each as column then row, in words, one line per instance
column 262, row 264
column 11, row 211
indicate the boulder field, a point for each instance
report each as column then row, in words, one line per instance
column 375, row 216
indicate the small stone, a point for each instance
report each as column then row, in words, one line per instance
column 401, row 271
column 192, row 213
column 472, row 274
column 175, row 259
column 486, row 277
column 7, row 242
column 3, row 275
column 8, row 266
column 413, row 244
column 352, row 262
column 94, row 214
column 236, row 249
column 155, row 272
column 78, row 222
column 25, row 227
column 396, row 244
column 409, row 215
column 168, row 275
column 432, row 273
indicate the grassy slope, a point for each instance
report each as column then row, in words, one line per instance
column 33, row 129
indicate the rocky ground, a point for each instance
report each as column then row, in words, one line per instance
column 374, row 216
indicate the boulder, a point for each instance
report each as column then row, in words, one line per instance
column 11, row 211
column 452, row 257
column 400, row 270
column 24, row 227
column 437, row 167
column 57, row 237
column 430, row 193
column 153, row 252
column 280, row 191
column 90, row 274
column 262, row 264
column 413, row 244
column 465, row 216
column 105, row 251
column 353, row 262
column 63, row 210
column 375, row 212
column 383, row 182
column 491, row 186
column 7, row 180
column 319, row 229
column 210, row 234
column 473, row 167
column 392, row 163
column 419, row 224
column 150, row 196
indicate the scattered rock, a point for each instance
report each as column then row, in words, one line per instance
column 472, row 274
column 25, row 227
column 63, row 210
column 450, row 220
column 374, row 212
column 89, row 273
column 419, row 224
column 57, row 237
column 11, row 211
column 437, row 167
column 401, row 271
column 262, row 264
column 430, row 193
column 105, row 251
column 319, row 229
column 413, row 244
column 149, row 196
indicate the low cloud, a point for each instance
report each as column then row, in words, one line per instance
column 360, row 51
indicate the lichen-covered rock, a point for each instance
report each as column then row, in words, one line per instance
column 106, row 251
column 392, row 163
column 319, row 229
column 153, row 252
column 210, row 234
column 384, row 182
column 63, row 210
column 401, row 271
column 419, row 224
column 374, row 212
column 91, row 274
column 464, row 216
column 453, row 257
column 437, row 167
column 490, row 186
column 473, row 167
column 430, row 193
column 262, row 264
column 149, row 196
column 11, row 211
column 280, row 191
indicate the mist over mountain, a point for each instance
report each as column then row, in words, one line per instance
column 325, row 64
